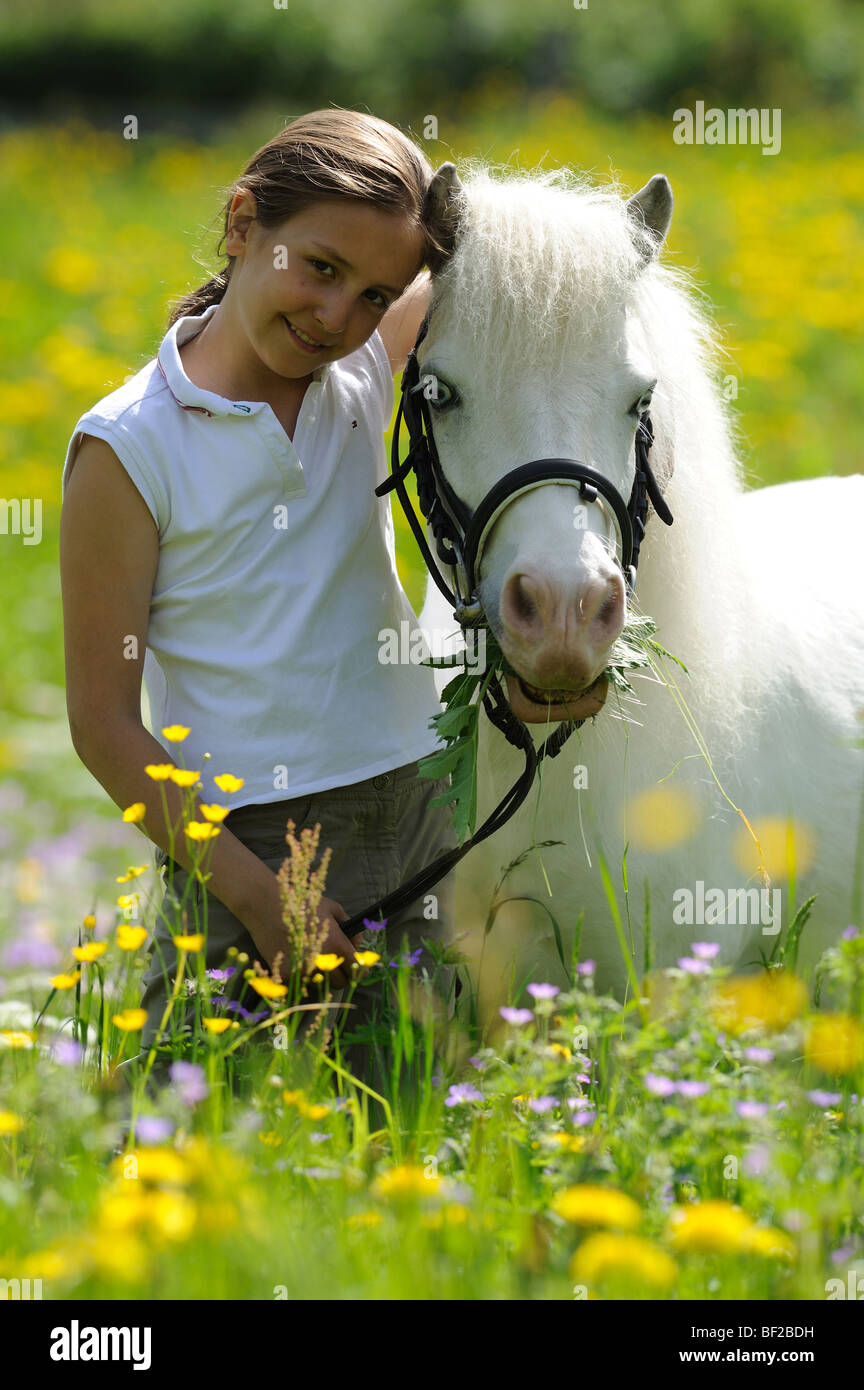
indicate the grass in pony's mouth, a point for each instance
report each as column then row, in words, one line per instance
column 458, row 723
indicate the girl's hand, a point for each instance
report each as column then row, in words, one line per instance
column 332, row 913
column 262, row 918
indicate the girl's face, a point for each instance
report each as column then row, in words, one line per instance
column 327, row 274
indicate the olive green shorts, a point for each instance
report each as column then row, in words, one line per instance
column 380, row 832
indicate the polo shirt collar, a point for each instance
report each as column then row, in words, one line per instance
column 184, row 391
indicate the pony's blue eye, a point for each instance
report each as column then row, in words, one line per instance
column 439, row 393
column 643, row 402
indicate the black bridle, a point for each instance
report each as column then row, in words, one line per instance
column 460, row 535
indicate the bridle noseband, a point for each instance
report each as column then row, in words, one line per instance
column 460, row 535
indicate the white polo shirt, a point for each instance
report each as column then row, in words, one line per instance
column 276, row 574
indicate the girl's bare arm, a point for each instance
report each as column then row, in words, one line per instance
column 109, row 550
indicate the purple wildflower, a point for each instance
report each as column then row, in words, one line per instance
column 752, row 1109
column 658, row 1085
column 517, row 1016
column 755, row 1160
column 542, row 1104
column 411, row 959
column 374, row 926
column 188, row 1078
column 586, row 967
column 849, row 933
column 479, row 1062
column 319, row 1137
column 705, row 950
column 30, row 951
column 824, row 1099
column 583, row 1076
column 759, row 1054
column 543, row 991
column 459, row 1095
column 579, row 1103
column 692, row 1089
column 694, row 966
column 66, row 1052
column 839, row 1257
column 585, row 1117
column 221, row 975
column 234, row 1006
column 152, row 1129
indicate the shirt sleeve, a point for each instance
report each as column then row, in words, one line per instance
column 131, row 457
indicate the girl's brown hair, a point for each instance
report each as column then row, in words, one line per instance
column 328, row 154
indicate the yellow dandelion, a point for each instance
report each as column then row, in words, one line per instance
column 130, row 937
column 317, row 978
column 171, row 1215
column 604, row 1255
column 328, row 961
column 367, row 957
column 213, row 812
column 66, row 981
column 568, row 1143
column 130, row 1020
column 134, row 813
column 159, row 772
column 363, row 1220
column 267, row 988
column 216, row 1025
column 312, row 1112
column 91, row 951
column 660, row 818
column 788, row 846
column 89, row 922
column 767, row 1240
column 175, row 733
column 184, row 776
column 453, row 1214
column 271, row 1138
column 190, row 941
column 152, row 1164
column 714, row 1227
column 770, row 1000
column 134, row 871
column 202, row 830
column 292, row 1097
column 835, row 1043
column 226, row 782
column 590, row 1205
column 558, row 1050
column 17, row 1038
column 406, row 1180
column 10, row 1123
column 127, row 900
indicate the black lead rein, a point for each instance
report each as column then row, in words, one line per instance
column 459, row 534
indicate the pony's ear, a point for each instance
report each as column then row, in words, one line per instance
column 651, row 211
column 441, row 208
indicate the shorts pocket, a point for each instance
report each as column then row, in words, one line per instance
column 265, row 834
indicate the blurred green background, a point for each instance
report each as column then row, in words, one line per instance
column 99, row 233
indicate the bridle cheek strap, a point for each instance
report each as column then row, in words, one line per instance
column 460, row 536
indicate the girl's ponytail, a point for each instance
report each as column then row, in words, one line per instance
column 320, row 156
column 198, row 300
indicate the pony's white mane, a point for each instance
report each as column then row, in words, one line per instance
column 541, row 257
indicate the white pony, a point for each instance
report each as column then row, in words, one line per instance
column 554, row 326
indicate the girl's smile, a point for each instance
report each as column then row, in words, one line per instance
column 308, row 291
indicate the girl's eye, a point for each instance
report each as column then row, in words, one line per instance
column 320, row 265
column 438, row 393
column 383, row 303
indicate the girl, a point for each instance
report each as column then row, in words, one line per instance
column 219, row 517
